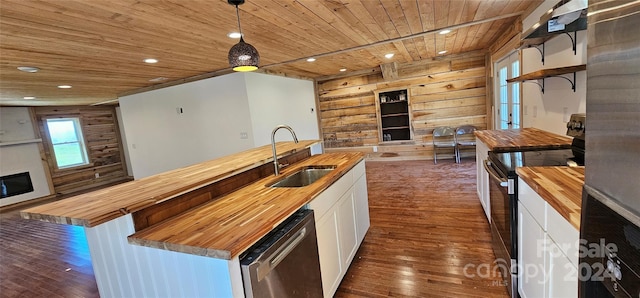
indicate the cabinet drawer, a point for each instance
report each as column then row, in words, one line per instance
column 323, row 202
column 533, row 202
column 564, row 234
column 358, row 170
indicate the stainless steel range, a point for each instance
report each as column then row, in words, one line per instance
column 503, row 193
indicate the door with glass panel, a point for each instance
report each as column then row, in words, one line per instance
column 507, row 95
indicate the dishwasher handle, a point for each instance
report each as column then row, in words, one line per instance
column 494, row 175
column 271, row 262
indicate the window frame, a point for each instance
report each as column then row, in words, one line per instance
column 79, row 134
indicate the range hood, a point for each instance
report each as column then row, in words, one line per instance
column 566, row 16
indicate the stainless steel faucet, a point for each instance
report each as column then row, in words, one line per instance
column 276, row 164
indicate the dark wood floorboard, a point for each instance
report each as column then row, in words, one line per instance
column 426, row 226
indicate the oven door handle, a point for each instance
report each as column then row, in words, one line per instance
column 494, row 175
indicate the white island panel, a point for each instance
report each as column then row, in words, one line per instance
column 126, row 270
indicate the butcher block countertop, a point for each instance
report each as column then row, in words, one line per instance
column 561, row 187
column 106, row 204
column 229, row 225
column 522, row 139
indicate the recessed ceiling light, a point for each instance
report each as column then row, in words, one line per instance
column 445, row 31
column 441, row 52
column 158, row 79
column 28, row 68
column 29, row 97
column 234, row 35
column 311, row 59
column 150, row 60
column 64, row 86
column 343, row 69
column 389, row 56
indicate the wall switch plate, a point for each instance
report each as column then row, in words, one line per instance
column 97, row 175
column 375, row 148
column 535, row 111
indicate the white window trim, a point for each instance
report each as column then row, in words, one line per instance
column 81, row 140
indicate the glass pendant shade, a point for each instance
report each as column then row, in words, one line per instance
column 243, row 57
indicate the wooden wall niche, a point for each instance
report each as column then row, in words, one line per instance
column 104, row 148
column 394, row 117
column 449, row 90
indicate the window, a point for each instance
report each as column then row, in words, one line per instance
column 68, row 144
column 508, row 94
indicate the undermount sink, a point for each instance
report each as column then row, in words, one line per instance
column 304, row 176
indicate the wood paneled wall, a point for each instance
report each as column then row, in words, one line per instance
column 449, row 90
column 104, row 148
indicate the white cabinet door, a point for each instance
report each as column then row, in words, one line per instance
column 482, row 177
column 342, row 220
column 562, row 273
column 347, row 228
column 362, row 207
column 329, row 252
column 531, row 256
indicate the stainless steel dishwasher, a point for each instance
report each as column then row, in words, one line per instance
column 285, row 262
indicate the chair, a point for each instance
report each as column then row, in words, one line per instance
column 464, row 139
column 443, row 137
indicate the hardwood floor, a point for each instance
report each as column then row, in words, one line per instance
column 428, row 235
column 427, row 226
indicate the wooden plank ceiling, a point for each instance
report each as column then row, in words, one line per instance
column 98, row 46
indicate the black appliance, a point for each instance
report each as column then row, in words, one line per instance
column 610, row 219
column 503, row 193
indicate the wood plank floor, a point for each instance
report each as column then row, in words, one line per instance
column 427, row 226
column 428, row 237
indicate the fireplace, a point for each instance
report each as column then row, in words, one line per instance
column 15, row 184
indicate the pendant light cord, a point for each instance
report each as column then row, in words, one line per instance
column 238, row 15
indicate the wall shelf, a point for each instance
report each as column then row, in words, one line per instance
column 393, row 115
column 551, row 73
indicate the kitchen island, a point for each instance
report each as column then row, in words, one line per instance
column 181, row 233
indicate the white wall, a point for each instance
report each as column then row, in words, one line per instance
column 275, row 100
column 550, row 111
column 125, row 145
column 217, row 112
column 15, row 125
column 214, row 114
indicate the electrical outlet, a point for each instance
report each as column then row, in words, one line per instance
column 535, row 111
column 375, row 148
column 565, row 114
column 97, row 175
column 244, row 135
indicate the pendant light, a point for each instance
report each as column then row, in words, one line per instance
column 242, row 56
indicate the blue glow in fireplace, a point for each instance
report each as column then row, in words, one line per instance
column 16, row 184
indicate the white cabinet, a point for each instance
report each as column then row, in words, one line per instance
column 342, row 219
column 547, row 248
column 329, row 251
column 362, row 207
column 531, row 237
column 482, row 177
column 347, row 228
